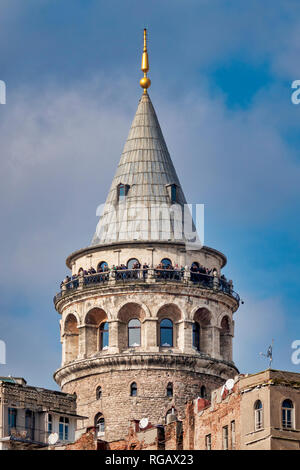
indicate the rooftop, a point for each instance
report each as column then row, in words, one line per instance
column 145, row 201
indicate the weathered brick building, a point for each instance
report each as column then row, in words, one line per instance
column 146, row 315
column 261, row 412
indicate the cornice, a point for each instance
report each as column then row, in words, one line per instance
column 170, row 288
column 187, row 363
column 117, row 245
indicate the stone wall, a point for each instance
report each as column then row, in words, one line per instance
column 151, row 364
column 149, row 303
column 119, row 408
column 232, row 409
column 202, row 420
column 151, row 253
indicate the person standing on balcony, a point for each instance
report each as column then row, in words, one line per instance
column 145, row 271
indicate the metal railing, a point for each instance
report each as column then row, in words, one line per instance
column 187, row 277
column 27, row 434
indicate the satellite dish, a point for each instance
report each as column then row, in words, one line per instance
column 53, row 438
column 229, row 384
column 143, row 423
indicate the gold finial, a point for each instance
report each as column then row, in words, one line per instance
column 145, row 82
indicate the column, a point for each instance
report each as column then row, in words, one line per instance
column 114, row 346
column 150, row 335
column 188, row 337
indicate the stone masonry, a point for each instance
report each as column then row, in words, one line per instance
column 165, row 374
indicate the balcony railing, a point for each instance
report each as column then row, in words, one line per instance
column 124, row 276
column 27, row 435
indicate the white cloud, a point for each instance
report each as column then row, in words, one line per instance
column 59, row 151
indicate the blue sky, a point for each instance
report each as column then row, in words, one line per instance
column 221, row 84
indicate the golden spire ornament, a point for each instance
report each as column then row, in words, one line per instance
column 145, row 82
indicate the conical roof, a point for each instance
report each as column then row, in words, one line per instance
column 145, row 192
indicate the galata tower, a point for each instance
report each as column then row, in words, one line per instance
column 146, row 314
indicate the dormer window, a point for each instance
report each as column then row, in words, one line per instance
column 172, row 192
column 122, row 191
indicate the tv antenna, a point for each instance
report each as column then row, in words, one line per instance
column 269, row 354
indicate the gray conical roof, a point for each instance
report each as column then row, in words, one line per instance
column 148, row 174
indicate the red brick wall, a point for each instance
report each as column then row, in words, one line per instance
column 198, row 424
column 173, row 436
column 85, row 442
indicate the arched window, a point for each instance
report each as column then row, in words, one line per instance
column 166, row 333
column 100, row 424
column 71, row 338
column 102, row 265
column 97, row 327
column 196, row 335
column 98, row 393
column 133, row 389
column 258, row 415
column 166, row 262
column 287, row 414
column 202, row 330
column 132, row 262
column 104, row 335
column 134, row 333
column 203, row 392
column 169, row 389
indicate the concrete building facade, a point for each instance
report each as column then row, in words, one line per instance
column 144, row 328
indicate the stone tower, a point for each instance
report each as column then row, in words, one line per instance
column 140, row 341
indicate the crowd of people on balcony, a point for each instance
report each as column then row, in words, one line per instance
column 133, row 270
column 90, row 275
column 168, row 271
column 165, row 270
column 200, row 273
